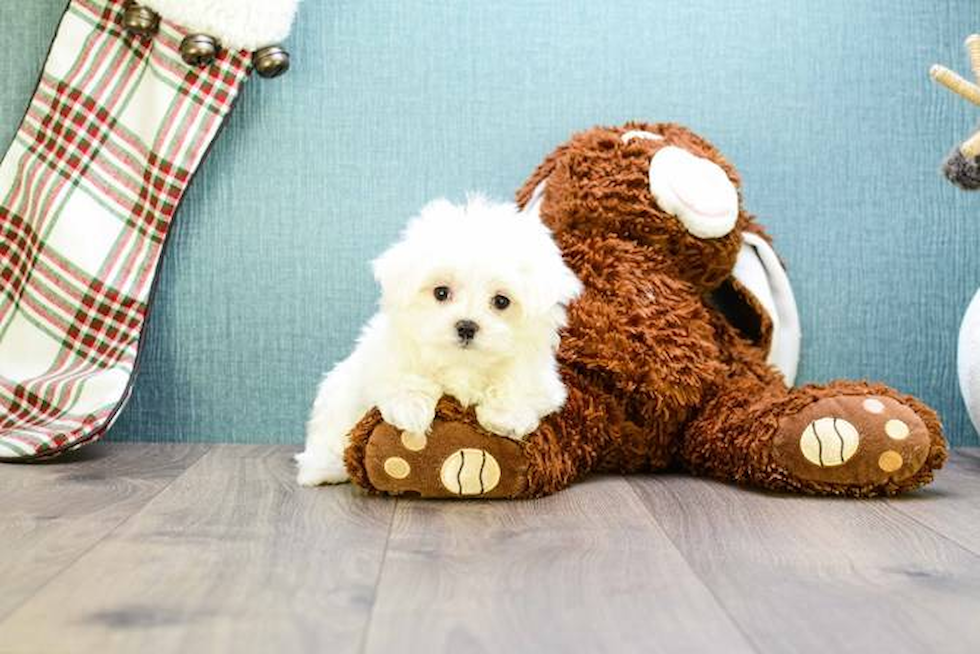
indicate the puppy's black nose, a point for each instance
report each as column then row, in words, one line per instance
column 466, row 329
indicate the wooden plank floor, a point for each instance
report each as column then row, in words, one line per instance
column 185, row 548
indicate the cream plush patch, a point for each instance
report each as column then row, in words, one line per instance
column 640, row 134
column 758, row 269
column 695, row 190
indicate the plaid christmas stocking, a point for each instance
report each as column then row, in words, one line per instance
column 127, row 105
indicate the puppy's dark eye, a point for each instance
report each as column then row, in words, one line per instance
column 441, row 293
column 500, row 302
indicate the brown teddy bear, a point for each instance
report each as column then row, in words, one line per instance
column 664, row 355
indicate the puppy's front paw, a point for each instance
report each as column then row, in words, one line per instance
column 320, row 468
column 410, row 411
column 512, row 422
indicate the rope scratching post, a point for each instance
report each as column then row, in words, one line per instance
column 956, row 84
column 970, row 148
column 962, row 167
column 973, row 47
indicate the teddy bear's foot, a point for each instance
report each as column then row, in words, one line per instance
column 869, row 441
column 453, row 460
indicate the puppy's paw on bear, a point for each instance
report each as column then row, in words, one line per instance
column 410, row 411
column 511, row 421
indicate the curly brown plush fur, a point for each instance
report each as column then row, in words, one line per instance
column 659, row 372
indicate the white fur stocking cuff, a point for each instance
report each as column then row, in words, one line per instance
column 236, row 24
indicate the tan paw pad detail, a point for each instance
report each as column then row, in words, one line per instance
column 890, row 461
column 872, row 405
column 829, row 441
column 852, row 440
column 897, row 430
column 414, row 442
column 470, row 471
column 397, row 467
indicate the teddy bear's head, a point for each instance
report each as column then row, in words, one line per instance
column 659, row 185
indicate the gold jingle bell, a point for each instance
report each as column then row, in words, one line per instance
column 270, row 61
column 198, row 49
column 140, row 20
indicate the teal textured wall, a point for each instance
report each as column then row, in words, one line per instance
column 826, row 108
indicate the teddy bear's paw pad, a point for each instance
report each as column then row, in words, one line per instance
column 470, row 471
column 453, row 460
column 853, row 440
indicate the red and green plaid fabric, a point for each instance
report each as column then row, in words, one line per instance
column 88, row 190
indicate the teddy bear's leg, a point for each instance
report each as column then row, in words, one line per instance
column 843, row 438
column 459, row 459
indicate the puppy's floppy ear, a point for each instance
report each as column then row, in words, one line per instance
column 550, row 284
column 389, row 271
column 398, row 268
column 567, row 284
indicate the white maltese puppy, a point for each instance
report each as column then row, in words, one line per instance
column 472, row 300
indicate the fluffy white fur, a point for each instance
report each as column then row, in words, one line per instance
column 411, row 352
column 237, row 24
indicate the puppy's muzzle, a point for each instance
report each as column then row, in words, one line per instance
column 466, row 330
